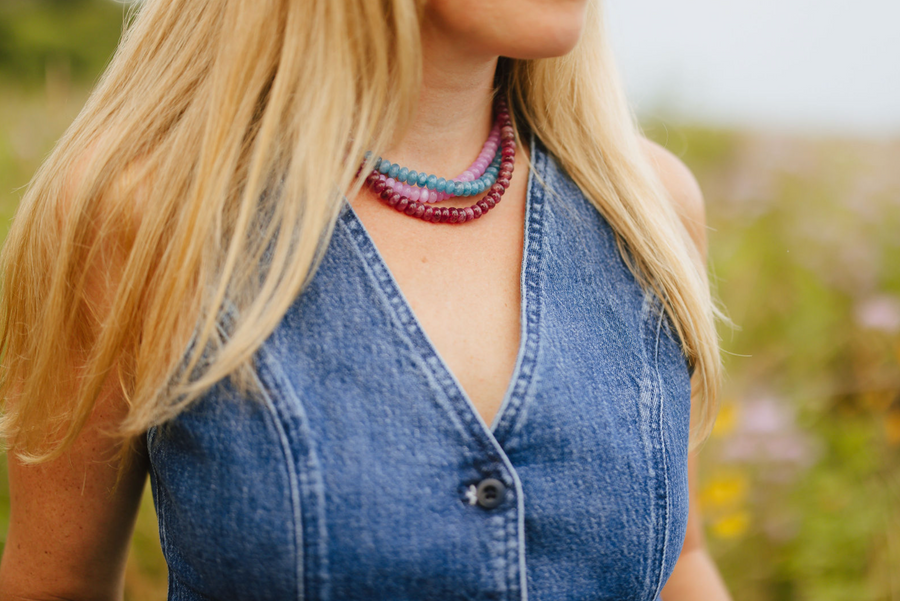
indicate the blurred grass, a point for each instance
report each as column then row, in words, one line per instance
column 801, row 479
column 76, row 36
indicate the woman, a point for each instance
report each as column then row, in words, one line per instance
column 345, row 380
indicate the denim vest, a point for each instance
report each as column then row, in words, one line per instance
column 365, row 473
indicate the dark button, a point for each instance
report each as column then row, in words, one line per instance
column 490, row 493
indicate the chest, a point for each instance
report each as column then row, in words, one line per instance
column 356, row 475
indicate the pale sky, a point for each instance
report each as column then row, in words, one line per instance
column 821, row 66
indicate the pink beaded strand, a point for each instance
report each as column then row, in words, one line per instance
column 414, row 207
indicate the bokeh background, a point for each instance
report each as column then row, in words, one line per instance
column 788, row 113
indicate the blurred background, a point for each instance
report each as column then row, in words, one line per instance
column 788, row 113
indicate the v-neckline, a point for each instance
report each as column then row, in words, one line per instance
column 529, row 307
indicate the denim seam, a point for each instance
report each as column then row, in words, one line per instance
column 510, row 555
column 532, row 309
column 532, row 282
column 292, row 478
column 307, row 550
column 649, row 405
column 230, row 312
column 662, row 455
column 176, row 587
column 160, row 508
column 520, row 531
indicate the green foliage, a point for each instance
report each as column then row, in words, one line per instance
column 74, row 36
column 801, row 480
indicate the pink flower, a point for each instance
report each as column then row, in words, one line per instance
column 766, row 433
column 881, row 312
column 764, row 416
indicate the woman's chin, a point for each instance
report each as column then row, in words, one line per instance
column 522, row 29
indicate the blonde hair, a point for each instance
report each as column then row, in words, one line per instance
column 224, row 130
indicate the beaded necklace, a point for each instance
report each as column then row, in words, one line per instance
column 411, row 192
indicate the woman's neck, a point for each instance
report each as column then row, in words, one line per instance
column 454, row 114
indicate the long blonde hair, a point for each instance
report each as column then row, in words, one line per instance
column 224, row 130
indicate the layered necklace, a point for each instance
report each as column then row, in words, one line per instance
column 416, row 193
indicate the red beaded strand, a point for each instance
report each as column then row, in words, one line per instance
column 377, row 182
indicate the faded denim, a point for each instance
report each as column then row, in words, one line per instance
column 351, row 479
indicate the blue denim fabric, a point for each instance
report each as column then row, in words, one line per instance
column 351, row 478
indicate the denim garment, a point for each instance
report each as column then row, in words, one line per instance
column 356, row 476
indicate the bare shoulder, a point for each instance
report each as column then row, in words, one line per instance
column 682, row 187
column 70, row 524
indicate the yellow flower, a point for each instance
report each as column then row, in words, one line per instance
column 892, row 428
column 725, row 421
column 732, row 525
column 725, row 490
